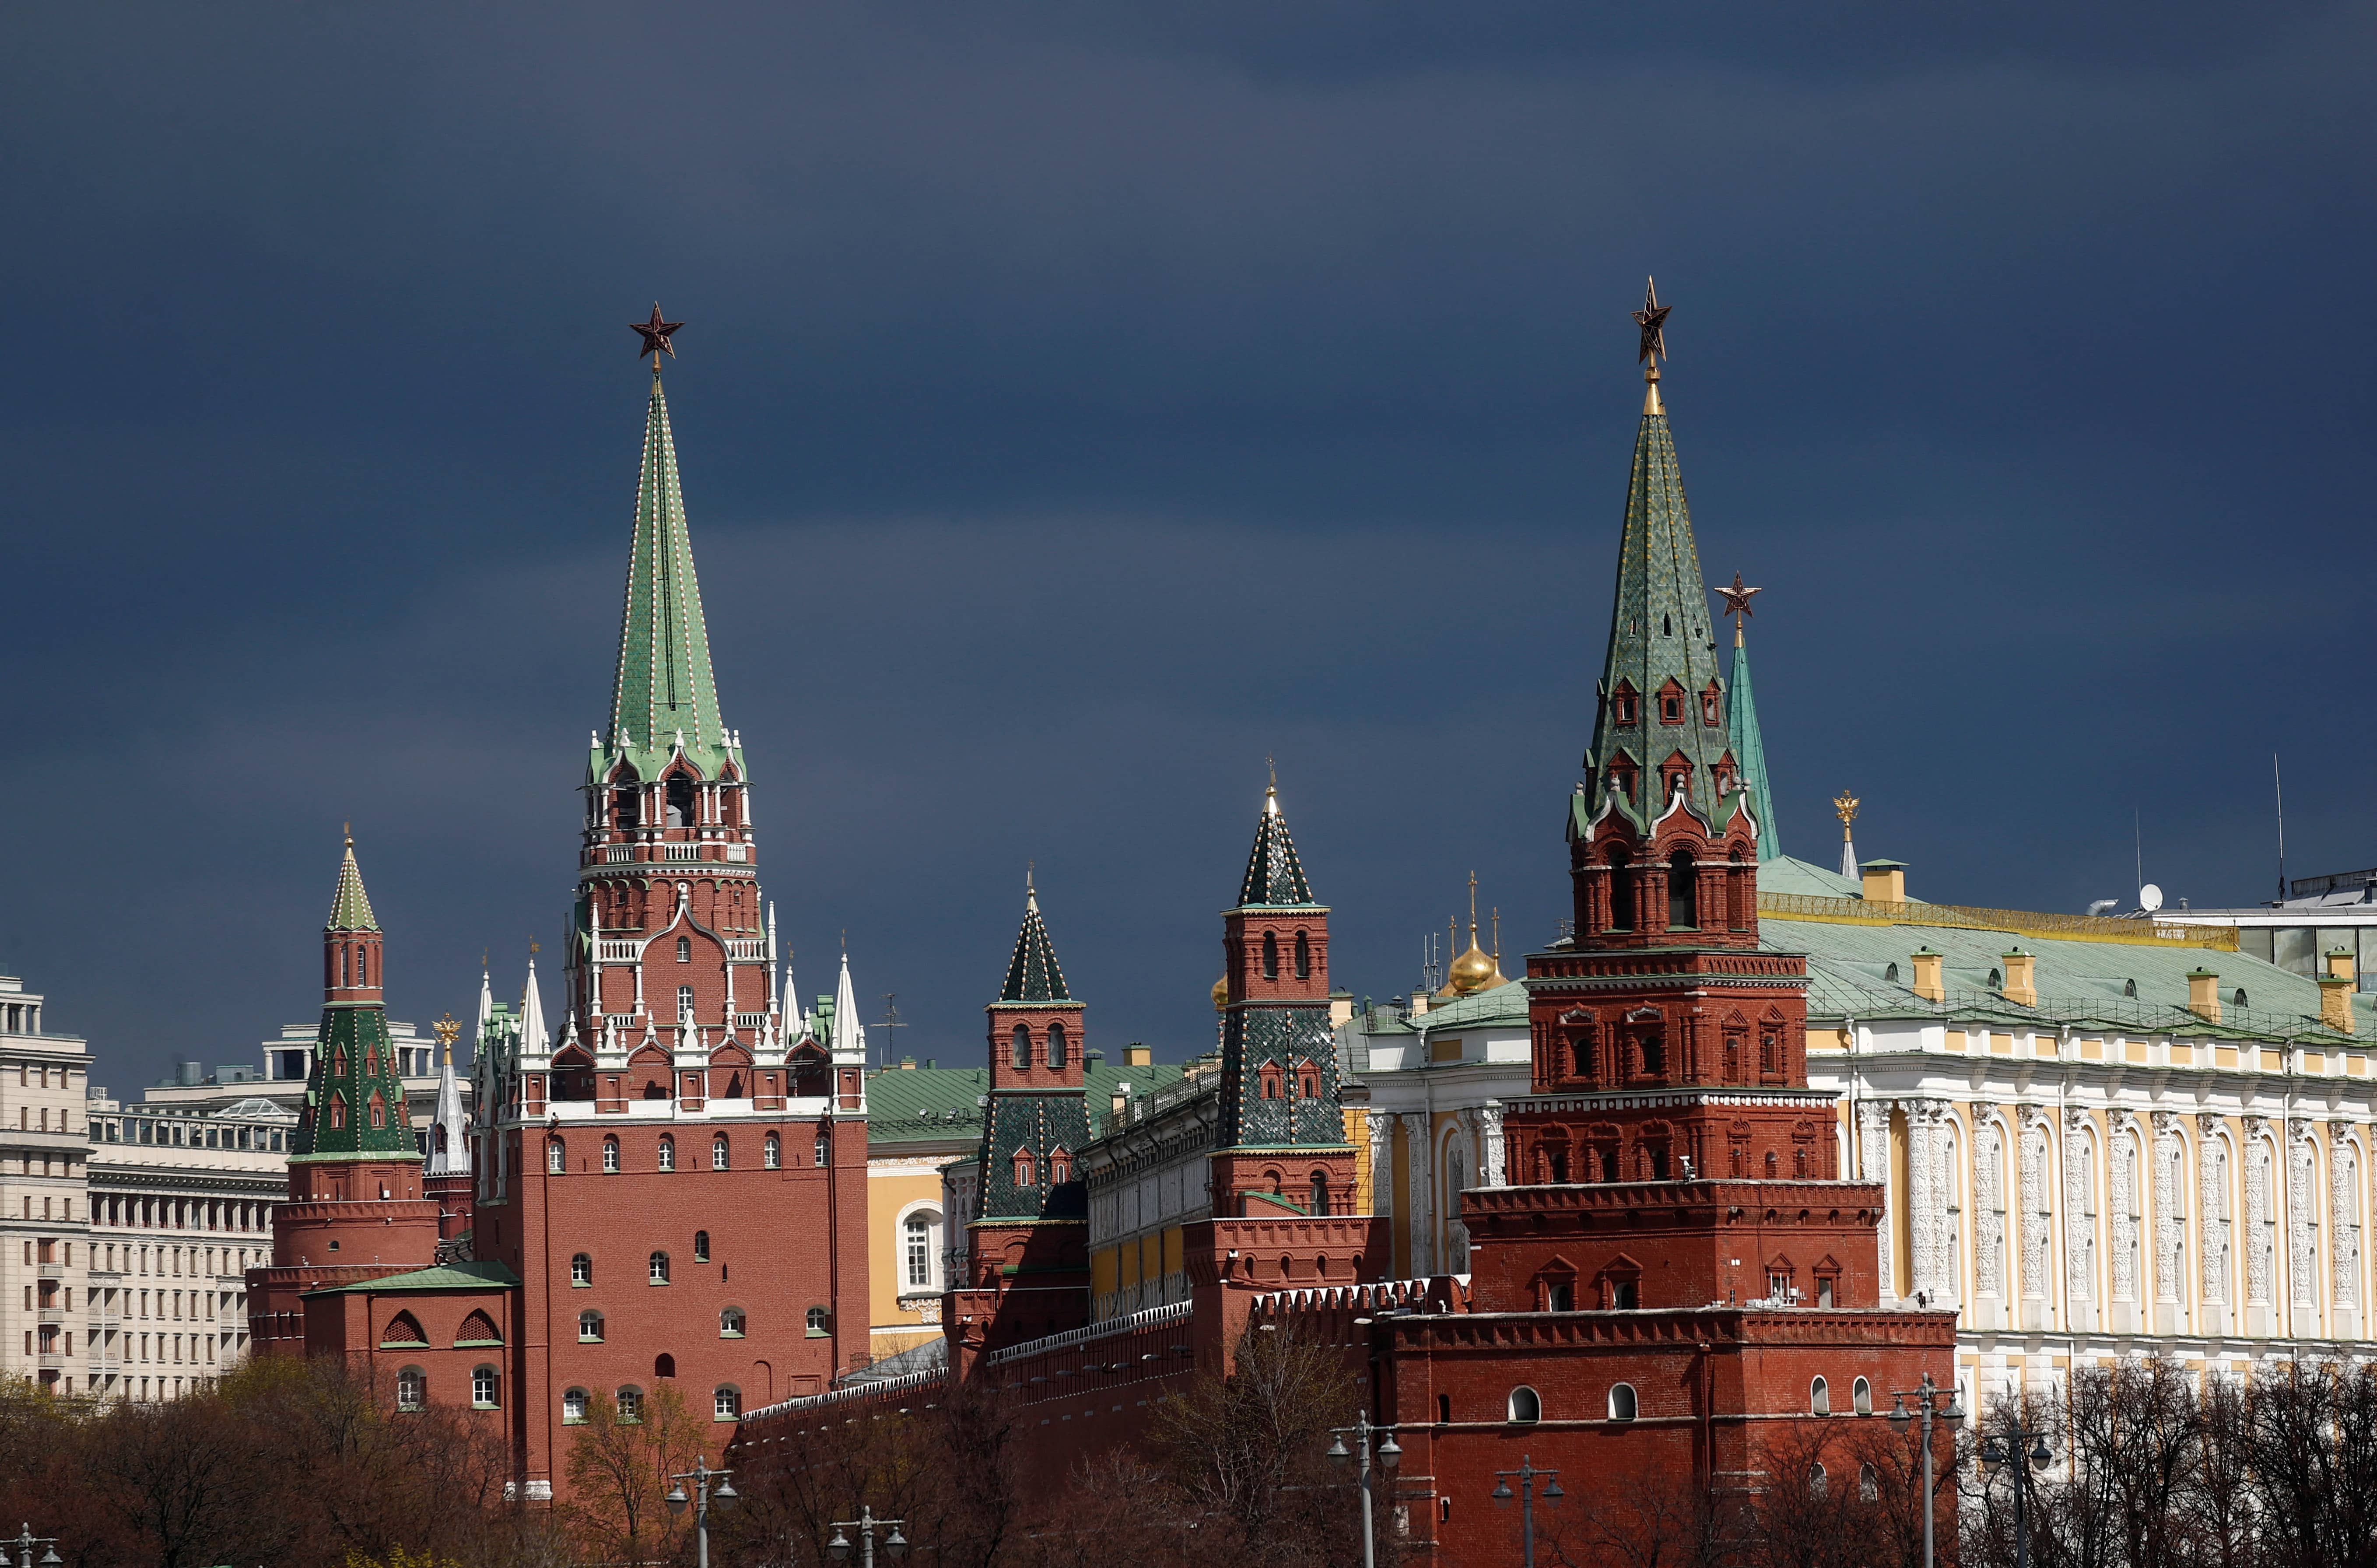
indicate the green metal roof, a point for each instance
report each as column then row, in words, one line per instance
column 1785, row 875
column 1032, row 974
column 664, row 687
column 915, row 1107
column 445, row 1276
column 351, row 908
column 1502, row 1004
column 1749, row 750
column 1658, row 635
column 1274, row 876
column 2078, row 982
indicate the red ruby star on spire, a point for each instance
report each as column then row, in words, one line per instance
column 655, row 335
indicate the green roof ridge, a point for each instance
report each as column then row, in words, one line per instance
column 351, row 907
column 664, row 687
column 1658, row 633
column 1032, row 974
column 1750, row 750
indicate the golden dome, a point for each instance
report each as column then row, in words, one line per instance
column 1473, row 971
column 1221, row 993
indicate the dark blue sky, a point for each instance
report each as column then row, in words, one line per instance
column 1081, row 402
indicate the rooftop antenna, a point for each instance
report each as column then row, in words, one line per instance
column 890, row 1022
column 2278, row 785
column 2138, row 842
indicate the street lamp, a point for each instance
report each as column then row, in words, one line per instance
column 704, row 1493
column 25, row 1541
column 1390, row 1453
column 1924, row 1398
column 1528, row 1475
column 2007, row 1447
column 894, row 1548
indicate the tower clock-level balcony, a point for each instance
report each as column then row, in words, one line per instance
column 681, row 820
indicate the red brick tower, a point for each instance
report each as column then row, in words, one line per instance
column 1675, row 1274
column 1027, row 1260
column 678, row 1175
column 1282, row 1173
column 355, row 1209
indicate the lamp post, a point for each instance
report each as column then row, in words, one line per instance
column 704, row 1492
column 25, row 1541
column 1390, row 1453
column 1924, row 1397
column 2007, row 1447
column 894, row 1548
column 1528, row 1475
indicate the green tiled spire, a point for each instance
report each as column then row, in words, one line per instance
column 1274, row 876
column 664, row 687
column 1032, row 974
column 1659, row 646
column 1749, row 750
column 355, row 1099
column 351, row 908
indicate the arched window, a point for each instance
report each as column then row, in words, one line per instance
column 412, row 1389
column 1271, row 956
column 1525, row 1404
column 668, row 1151
column 730, row 1323
column 684, row 1005
column 817, row 1319
column 1683, row 892
column 611, row 1157
column 590, row 1328
column 630, row 1400
column 663, row 1365
column 1320, row 1193
column 771, row 1153
column 1060, row 1167
column 824, row 1150
column 916, row 1249
column 1303, row 956
column 1869, row 1485
column 701, row 1246
column 378, row 1110
column 582, row 1269
column 338, row 1113
column 1820, row 1397
column 726, row 1403
column 1023, row 1046
column 685, row 949
column 680, row 802
column 1818, row 1483
column 718, row 1152
column 402, row 1329
column 1862, row 1397
column 573, row 1407
column 1056, row 1045
column 1024, row 1173
column 485, row 1389
column 1621, row 891
column 1621, row 1402
column 660, row 1268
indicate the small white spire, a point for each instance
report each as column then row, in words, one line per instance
column 533, row 1038
column 848, row 1035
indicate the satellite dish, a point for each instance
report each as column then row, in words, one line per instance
column 2150, row 898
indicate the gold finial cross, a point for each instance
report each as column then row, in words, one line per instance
column 1473, row 908
column 1844, row 806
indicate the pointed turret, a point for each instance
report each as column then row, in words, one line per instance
column 534, row 1037
column 354, row 1096
column 849, row 1035
column 1741, row 732
column 664, row 689
column 1661, row 721
column 1274, row 876
column 351, row 907
column 1032, row 974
